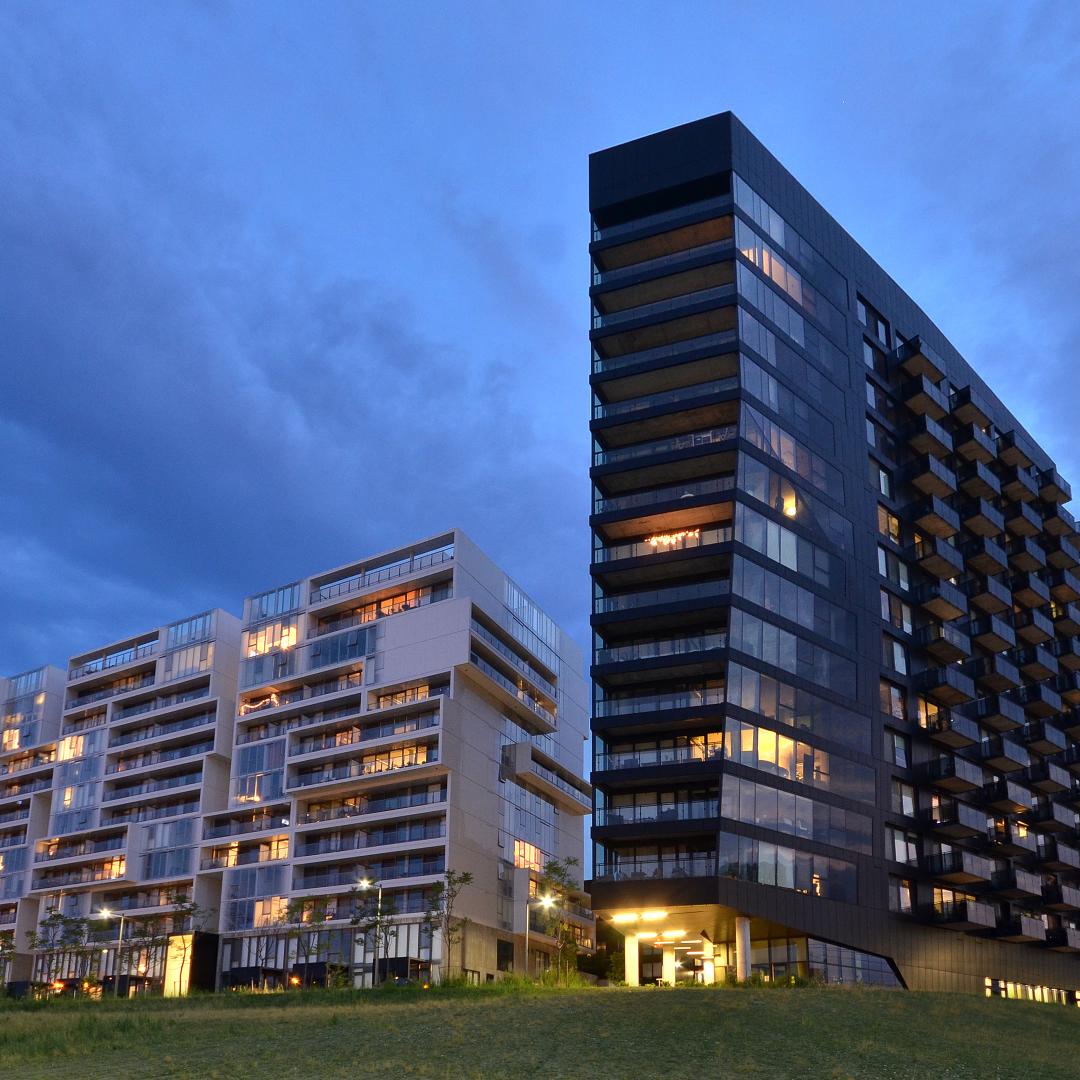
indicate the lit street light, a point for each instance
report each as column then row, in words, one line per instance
column 367, row 883
column 545, row 902
column 106, row 914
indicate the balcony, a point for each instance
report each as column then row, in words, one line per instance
column 638, row 453
column 1024, row 554
column 942, row 599
column 1066, row 650
column 985, row 556
column 1061, row 553
column 1063, row 939
column 339, row 587
column 1016, row 884
column 131, row 655
column 1017, row 484
column 926, row 436
column 1010, row 838
column 1003, row 754
column 1066, row 618
column 1053, row 488
column 919, row 359
column 1037, row 700
column 987, row 594
column 948, row 685
column 955, row 820
column 1032, row 626
column 492, row 641
column 1064, row 586
column 1021, row 928
column 1067, row 684
column 1036, row 662
column 1010, row 450
column 923, row 398
column 933, row 517
column 962, row 915
column 1047, row 777
column 1057, row 521
column 699, row 594
column 936, row 557
column 931, row 477
column 972, row 443
column 943, row 642
column 968, row 407
column 683, row 396
column 1060, row 897
column 952, row 774
column 978, row 482
column 522, row 695
column 634, row 705
column 959, row 867
column 980, row 518
column 995, row 674
column 1049, row 816
column 992, row 633
column 1007, row 797
column 950, row 729
column 1029, row 590
column 1054, row 855
column 410, row 757
column 654, row 813
column 678, row 494
column 701, row 865
column 1022, row 520
column 1042, row 738
column 661, row 650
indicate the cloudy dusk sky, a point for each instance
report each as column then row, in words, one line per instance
column 282, row 285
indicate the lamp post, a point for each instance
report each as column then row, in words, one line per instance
column 107, row 914
column 545, row 902
column 367, row 883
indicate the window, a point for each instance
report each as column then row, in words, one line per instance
column 781, row 545
column 879, row 401
column 888, row 524
column 773, row 440
column 873, row 322
column 895, row 612
column 892, row 700
column 880, row 439
column 881, row 479
column 901, row 893
column 930, row 714
column 504, row 955
column 893, row 655
column 897, row 749
column 902, row 798
column 901, row 846
column 528, row 856
column 892, row 569
column 874, row 358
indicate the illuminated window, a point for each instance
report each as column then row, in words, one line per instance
column 275, row 635
column 888, row 524
column 528, row 856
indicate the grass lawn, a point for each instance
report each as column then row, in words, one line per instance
column 718, row 1033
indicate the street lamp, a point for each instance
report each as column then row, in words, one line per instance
column 545, row 902
column 106, row 914
column 367, row 883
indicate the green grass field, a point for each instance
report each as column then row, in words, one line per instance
column 547, row 1034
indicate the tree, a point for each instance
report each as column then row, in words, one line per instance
column 7, row 953
column 372, row 918
column 305, row 920
column 442, row 900
column 51, row 939
column 558, row 881
column 188, row 918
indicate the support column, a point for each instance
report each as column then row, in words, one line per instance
column 630, row 960
column 668, row 969
column 708, row 963
column 742, row 947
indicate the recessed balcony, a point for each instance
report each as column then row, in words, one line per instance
column 992, row 633
column 926, row 436
column 959, row 867
column 918, row 358
column 985, row 556
column 943, row 642
column 948, row 685
column 972, row 443
column 1053, row 488
column 952, row 774
column 942, row 599
column 934, row 517
column 1017, row 484
column 923, row 398
column 937, row 557
column 1022, row 520
column 1003, row 755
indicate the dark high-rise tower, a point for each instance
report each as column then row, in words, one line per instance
column 836, row 605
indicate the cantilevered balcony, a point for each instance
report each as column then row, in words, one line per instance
column 926, row 436
column 1066, row 651
column 1069, row 722
column 952, row 774
column 1011, row 451
column 1063, row 939
column 980, row 518
column 1064, row 586
column 972, row 443
column 995, row 673
column 1033, row 626
column 961, row 915
column 948, row 685
column 959, row 867
column 937, row 557
column 1021, row 928
column 1047, row 816
column 1010, row 838
column 948, row 728
column 1006, row 796
column 1067, row 684
column 1057, row 521
column 967, row 406
column 923, row 398
column 919, row 359
column 1035, row 662
column 998, row 712
column 1025, row 554
column 1017, row 484
column 1029, row 590
column 1043, row 738
column 931, row 477
column 985, row 556
column 954, row 819
column 1059, row 897
column 978, row 482
column 1055, row 855
column 1048, row 777
column 1002, row 754
column 1053, row 488
column 933, row 517
column 1016, row 884
column 943, row 642
column 1022, row 520
column 992, row 633
column 942, row 599
column 1037, row 700
column 1065, row 617
column 1061, row 553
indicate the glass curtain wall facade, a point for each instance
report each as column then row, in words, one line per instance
column 836, row 605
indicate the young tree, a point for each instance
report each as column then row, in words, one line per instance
column 558, row 881
column 306, row 919
column 377, row 921
column 47, row 941
column 442, row 900
column 188, row 918
column 7, row 954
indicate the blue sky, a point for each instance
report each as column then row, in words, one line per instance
column 285, row 284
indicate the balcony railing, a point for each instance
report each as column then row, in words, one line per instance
column 695, row 866
column 660, row 307
column 692, row 489
column 420, row 755
column 664, row 397
column 654, row 650
column 699, row 345
column 662, row 544
column 522, row 694
column 701, row 590
column 669, row 445
column 668, row 755
column 373, row 805
column 377, row 575
column 368, row 733
column 151, row 786
column 504, row 650
column 136, row 735
column 680, row 699
column 691, row 810
column 104, row 663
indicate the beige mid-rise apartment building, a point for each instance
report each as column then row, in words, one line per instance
column 360, row 733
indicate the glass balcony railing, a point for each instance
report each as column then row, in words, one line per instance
column 653, row 650
column 406, row 759
column 676, row 699
column 153, row 731
column 141, row 707
column 692, row 810
column 664, row 397
column 701, row 590
column 365, row 807
column 357, row 735
column 664, row 755
column 692, row 489
column 699, row 345
column 508, row 654
column 151, row 786
column 162, row 756
column 379, row 574
column 659, row 307
column 521, row 693
column 664, row 262
column 662, row 543
column 703, row 865
column 116, row 659
column 679, row 213
column 672, row 444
